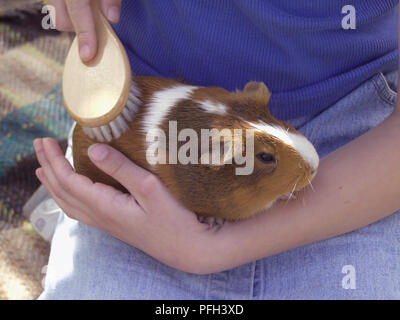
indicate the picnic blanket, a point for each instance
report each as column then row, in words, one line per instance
column 31, row 106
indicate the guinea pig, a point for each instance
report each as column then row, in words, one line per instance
column 269, row 160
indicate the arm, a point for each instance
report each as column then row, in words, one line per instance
column 354, row 187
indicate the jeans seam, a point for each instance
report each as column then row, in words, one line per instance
column 384, row 91
column 208, row 287
column 252, row 278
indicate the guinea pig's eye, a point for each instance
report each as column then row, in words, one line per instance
column 266, row 157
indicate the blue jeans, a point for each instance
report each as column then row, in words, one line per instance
column 86, row 263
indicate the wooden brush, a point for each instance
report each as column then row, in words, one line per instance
column 100, row 95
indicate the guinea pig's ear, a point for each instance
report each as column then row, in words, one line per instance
column 259, row 90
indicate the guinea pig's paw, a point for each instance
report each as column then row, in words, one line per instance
column 211, row 222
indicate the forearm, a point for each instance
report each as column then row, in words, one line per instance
column 357, row 184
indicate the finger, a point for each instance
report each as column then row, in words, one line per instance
column 111, row 10
column 52, row 182
column 63, row 172
column 142, row 184
column 94, row 204
column 69, row 209
column 82, row 19
column 57, row 182
column 99, row 198
column 62, row 21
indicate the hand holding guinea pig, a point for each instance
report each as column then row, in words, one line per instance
column 283, row 160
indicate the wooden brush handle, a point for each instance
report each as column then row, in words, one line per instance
column 95, row 92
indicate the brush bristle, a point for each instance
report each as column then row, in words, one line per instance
column 119, row 125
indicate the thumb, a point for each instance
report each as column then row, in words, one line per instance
column 142, row 184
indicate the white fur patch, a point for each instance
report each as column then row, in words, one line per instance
column 212, row 107
column 161, row 102
column 296, row 141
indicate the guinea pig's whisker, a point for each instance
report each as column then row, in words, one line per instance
column 291, row 193
column 310, row 184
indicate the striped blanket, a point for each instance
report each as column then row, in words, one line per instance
column 31, row 64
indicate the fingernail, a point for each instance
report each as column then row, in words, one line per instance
column 98, row 152
column 113, row 14
column 84, row 52
column 36, row 143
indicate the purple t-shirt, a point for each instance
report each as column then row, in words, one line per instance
column 306, row 51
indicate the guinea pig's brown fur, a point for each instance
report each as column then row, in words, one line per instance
column 207, row 189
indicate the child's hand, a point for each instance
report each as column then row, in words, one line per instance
column 148, row 218
column 76, row 15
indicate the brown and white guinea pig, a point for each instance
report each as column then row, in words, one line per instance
column 284, row 161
